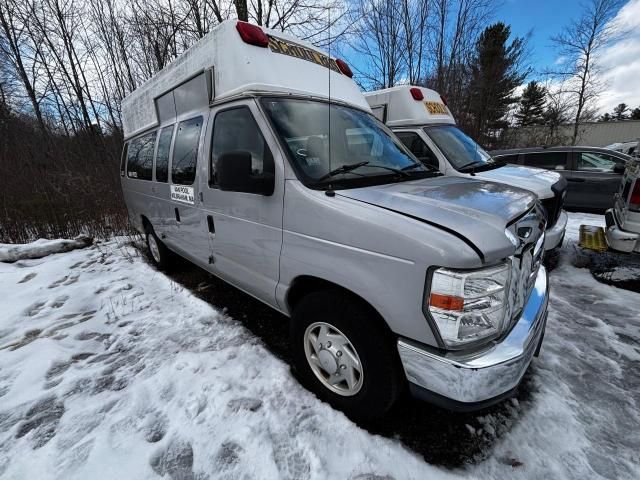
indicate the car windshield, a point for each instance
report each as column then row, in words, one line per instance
column 462, row 152
column 338, row 145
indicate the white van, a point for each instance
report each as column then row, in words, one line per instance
column 255, row 156
column 423, row 122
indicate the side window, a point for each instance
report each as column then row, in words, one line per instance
column 549, row 160
column 162, row 155
column 420, row 149
column 508, row 158
column 185, row 151
column 236, row 130
column 140, row 157
column 595, row 162
column 123, row 158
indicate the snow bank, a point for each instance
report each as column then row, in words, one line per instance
column 10, row 252
column 108, row 369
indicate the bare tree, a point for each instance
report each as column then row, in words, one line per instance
column 579, row 45
column 13, row 48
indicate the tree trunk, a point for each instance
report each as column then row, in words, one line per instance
column 241, row 10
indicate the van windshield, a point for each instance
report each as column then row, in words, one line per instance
column 332, row 144
column 462, row 152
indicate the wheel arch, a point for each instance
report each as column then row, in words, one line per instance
column 304, row 285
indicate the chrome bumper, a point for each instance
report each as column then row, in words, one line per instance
column 477, row 379
column 555, row 234
column 617, row 238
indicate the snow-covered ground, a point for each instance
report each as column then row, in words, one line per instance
column 109, row 369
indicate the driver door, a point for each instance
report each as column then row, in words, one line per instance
column 245, row 229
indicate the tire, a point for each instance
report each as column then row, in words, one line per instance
column 363, row 395
column 158, row 253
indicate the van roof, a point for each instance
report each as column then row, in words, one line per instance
column 230, row 67
column 396, row 106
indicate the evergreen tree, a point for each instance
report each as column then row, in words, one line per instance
column 532, row 105
column 635, row 114
column 496, row 71
column 620, row 112
column 605, row 117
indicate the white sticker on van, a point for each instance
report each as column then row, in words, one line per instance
column 182, row 193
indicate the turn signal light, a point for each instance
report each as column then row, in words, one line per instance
column 446, row 302
column 344, row 68
column 252, row 34
column 416, row 93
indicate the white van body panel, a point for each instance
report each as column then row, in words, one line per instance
column 237, row 67
column 401, row 109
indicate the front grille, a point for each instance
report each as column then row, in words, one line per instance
column 525, row 263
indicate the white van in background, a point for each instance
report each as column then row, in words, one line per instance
column 423, row 122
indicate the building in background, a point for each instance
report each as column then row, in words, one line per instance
column 595, row 134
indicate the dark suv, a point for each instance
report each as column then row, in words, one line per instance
column 593, row 174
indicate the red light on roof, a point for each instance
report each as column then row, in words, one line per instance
column 252, row 34
column 416, row 93
column 344, row 68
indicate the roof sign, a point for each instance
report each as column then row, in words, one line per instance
column 279, row 45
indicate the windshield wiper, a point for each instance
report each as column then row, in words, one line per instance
column 472, row 164
column 342, row 169
column 353, row 166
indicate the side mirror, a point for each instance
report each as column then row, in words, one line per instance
column 619, row 168
column 234, row 174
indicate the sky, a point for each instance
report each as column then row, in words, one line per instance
column 545, row 18
column 542, row 19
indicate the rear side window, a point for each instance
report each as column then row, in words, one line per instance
column 140, row 157
column 417, row 146
column 162, row 155
column 237, row 130
column 185, row 151
column 596, row 162
column 550, row 160
column 123, row 159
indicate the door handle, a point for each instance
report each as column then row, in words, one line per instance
column 212, row 227
column 577, row 180
column 177, row 215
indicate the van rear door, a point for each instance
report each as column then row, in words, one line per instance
column 244, row 228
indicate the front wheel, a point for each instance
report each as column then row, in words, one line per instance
column 343, row 355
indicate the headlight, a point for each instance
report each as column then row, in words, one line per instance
column 468, row 306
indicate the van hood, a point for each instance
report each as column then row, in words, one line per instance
column 536, row 180
column 475, row 211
